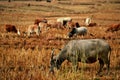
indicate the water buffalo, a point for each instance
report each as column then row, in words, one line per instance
column 86, row 51
column 79, row 30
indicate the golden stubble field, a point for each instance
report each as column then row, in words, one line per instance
column 23, row 58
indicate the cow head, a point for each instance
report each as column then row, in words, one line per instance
column 54, row 62
column 70, row 34
column 77, row 24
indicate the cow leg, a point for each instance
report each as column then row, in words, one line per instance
column 37, row 32
column 74, row 63
column 108, row 67
column 107, row 62
column 75, row 66
column 101, row 66
column 28, row 33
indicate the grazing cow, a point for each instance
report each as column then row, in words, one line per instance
column 80, row 31
column 33, row 28
column 114, row 27
column 72, row 24
column 86, row 51
column 37, row 21
column 64, row 20
column 10, row 28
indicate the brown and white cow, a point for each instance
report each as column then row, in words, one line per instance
column 44, row 26
column 33, row 28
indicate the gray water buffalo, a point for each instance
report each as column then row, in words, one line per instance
column 86, row 51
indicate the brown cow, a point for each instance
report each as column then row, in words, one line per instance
column 10, row 28
column 114, row 27
column 37, row 21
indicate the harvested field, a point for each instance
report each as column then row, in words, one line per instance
column 24, row 58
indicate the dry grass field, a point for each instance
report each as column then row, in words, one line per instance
column 23, row 58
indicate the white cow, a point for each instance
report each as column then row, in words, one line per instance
column 64, row 20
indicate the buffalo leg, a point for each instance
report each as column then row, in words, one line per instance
column 101, row 65
column 75, row 66
column 108, row 67
column 75, row 63
column 107, row 62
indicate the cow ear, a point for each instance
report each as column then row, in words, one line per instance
column 52, row 53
